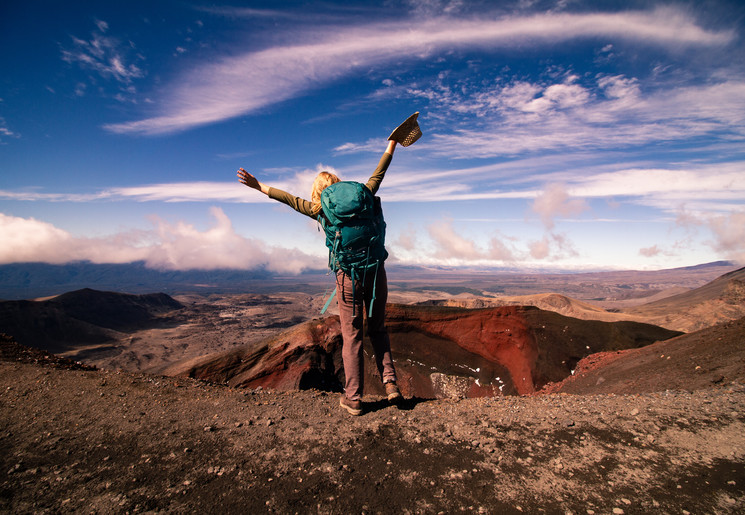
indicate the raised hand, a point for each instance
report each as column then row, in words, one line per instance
column 248, row 179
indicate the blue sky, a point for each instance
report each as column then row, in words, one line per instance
column 557, row 135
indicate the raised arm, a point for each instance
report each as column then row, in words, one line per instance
column 377, row 177
column 298, row 204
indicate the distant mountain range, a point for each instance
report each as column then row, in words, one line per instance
column 33, row 280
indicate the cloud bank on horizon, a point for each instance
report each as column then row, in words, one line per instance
column 549, row 128
column 165, row 247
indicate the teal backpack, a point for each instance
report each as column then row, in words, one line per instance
column 353, row 221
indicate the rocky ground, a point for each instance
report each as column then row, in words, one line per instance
column 79, row 440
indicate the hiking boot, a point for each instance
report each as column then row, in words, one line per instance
column 392, row 392
column 353, row 407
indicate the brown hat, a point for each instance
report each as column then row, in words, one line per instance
column 408, row 132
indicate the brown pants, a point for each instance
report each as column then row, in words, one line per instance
column 353, row 309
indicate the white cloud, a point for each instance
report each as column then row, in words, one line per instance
column 200, row 191
column 218, row 90
column 178, row 246
column 727, row 230
column 716, row 187
column 31, row 240
column 556, row 201
column 566, row 95
column 702, row 188
column 729, row 234
column 553, row 246
column 620, row 87
column 652, row 251
column 451, row 245
column 241, row 12
column 539, row 249
column 500, row 251
column 525, row 97
column 407, row 239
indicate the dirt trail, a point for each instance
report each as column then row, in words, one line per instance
column 110, row 442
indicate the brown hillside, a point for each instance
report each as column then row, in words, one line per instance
column 82, row 318
column 717, row 301
column 727, row 288
column 444, row 352
column 695, row 361
column 721, row 300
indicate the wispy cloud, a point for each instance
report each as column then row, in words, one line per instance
column 234, row 86
column 5, row 132
column 652, row 251
column 105, row 55
column 243, row 12
column 552, row 247
column 450, row 244
column 607, row 112
column 717, row 186
column 185, row 192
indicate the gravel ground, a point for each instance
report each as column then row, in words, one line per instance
column 93, row 441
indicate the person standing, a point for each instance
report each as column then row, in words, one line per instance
column 361, row 287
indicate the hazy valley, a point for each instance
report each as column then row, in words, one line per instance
column 77, row 324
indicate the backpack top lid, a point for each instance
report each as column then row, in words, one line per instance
column 345, row 201
column 354, row 226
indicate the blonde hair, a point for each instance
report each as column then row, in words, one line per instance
column 323, row 180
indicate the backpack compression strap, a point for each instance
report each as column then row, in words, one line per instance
column 372, row 301
column 328, row 302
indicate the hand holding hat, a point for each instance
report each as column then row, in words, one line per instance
column 408, row 132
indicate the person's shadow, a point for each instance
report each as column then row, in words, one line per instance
column 404, row 404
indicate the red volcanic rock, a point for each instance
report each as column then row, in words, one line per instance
column 439, row 351
column 501, row 336
column 513, row 349
column 306, row 356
